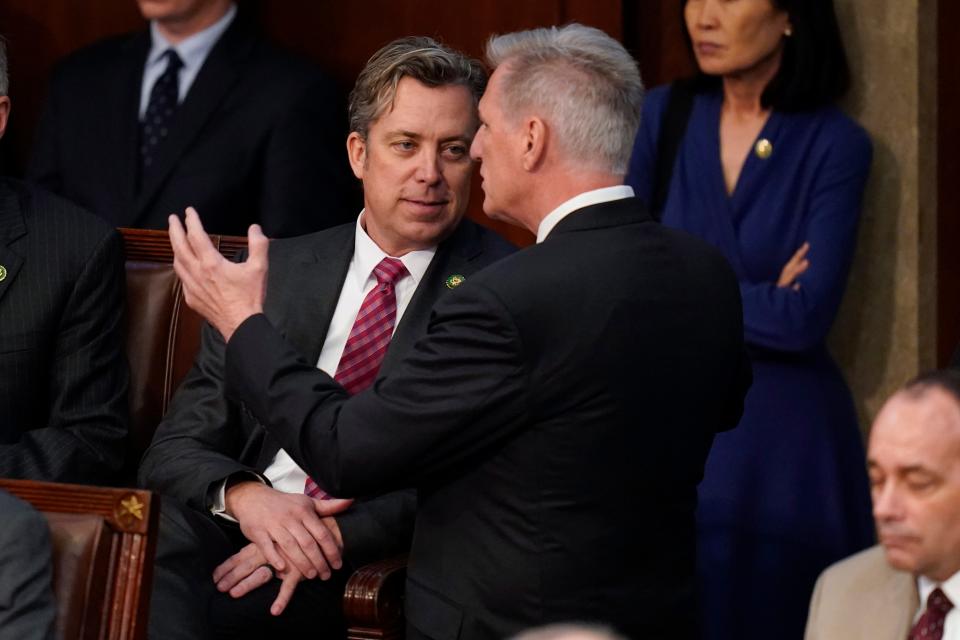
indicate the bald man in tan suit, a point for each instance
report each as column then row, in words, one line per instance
column 905, row 587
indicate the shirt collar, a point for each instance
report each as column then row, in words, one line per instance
column 950, row 587
column 585, row 199
column 367, row 255
column 193, row 50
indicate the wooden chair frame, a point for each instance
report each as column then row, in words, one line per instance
column 131, row 519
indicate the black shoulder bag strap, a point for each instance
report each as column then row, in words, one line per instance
column 674, row 125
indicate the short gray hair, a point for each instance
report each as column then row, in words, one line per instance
column 582, row 80
column 4, row 77
column 421, row 58
column 569, row 631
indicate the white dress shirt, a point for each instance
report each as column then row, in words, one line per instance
column 951, row 588
column 283, row 473
column 193, row 51
column 585, row 199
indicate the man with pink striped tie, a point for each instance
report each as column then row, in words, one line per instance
column 354, row 299
column 368, row 340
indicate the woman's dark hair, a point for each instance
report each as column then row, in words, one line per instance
column 813, row 71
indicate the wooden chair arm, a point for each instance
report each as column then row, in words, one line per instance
column 107, row 596
column 373, row 601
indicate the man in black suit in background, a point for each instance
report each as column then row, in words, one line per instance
column 557, row 415
column 413, row 115
column 198, row 110
column 63, row 373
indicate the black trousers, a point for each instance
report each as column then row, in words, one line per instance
column 185, row 604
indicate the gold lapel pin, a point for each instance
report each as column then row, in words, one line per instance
column 455, row 281
column 3, row 273
column 763, row 148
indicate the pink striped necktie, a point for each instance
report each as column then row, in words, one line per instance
column 368, row 341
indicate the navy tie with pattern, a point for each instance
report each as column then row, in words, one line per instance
column 160, row 111
column 930, row 625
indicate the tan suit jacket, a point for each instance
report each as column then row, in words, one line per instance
column 863, row 597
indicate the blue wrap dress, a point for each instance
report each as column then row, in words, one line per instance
column 785, row 493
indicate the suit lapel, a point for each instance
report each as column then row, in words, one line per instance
column 455, row 256
column 306, row 296
column 12, row 227
column 221, row 70
column 901, row 607
column 890, row 614
column 301, row 300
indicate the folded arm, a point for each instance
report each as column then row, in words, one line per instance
column 798, row 317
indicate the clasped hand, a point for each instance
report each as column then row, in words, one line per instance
column 293, row 533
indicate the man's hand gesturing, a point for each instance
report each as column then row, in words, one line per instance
column 223, row 292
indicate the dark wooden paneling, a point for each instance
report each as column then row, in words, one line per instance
column 339, row 36
column 38, row 33
column 653, row 33
column 948, row 181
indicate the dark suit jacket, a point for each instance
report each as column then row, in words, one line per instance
column 203, row 439
column 28, row 610
column 555, row 419
column 258, row 138
column 63, row 372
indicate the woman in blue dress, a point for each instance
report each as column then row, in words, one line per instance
column 772, row 173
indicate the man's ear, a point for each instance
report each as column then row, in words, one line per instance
column 4, row 113
column 534, row 140
column 357, row 153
